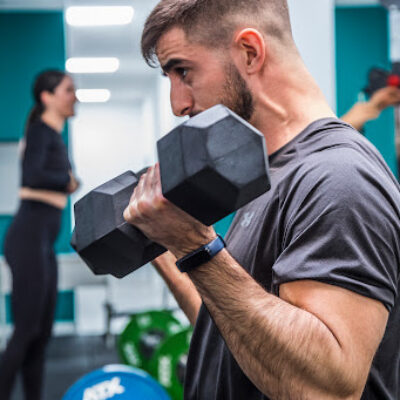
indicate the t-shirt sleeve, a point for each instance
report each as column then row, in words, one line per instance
column 342, row 228
column 36, row 175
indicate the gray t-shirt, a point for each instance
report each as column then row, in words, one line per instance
column 332, row 215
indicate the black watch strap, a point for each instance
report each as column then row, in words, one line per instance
column 201, row 256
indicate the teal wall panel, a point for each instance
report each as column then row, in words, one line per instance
column 30, row 42
column 5, row 221
column 362, row 43
column 62, row 243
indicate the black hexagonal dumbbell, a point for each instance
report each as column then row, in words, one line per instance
column 211, row 165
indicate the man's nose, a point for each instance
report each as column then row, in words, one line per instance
column 181, row 99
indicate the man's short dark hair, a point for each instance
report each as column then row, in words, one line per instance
column 212, row 22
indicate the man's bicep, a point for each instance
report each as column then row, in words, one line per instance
column 356, row 322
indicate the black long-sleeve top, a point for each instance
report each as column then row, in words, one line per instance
column 45, row 164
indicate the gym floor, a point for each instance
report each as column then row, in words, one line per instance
column 68, row 359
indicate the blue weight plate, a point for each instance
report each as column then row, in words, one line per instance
column 117, row 382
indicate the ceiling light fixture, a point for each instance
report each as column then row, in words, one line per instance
column 86, row 65
column 93, row 95
column 99, row 16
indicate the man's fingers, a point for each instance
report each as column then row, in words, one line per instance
column 132, row 213
column 127, row 214
column 157, row 179
column 149, row 181
column 156, row 189
column 140, row 186
column 143, row 192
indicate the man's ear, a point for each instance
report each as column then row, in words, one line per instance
column 250, row 45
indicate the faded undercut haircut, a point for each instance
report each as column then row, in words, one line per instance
column 212, row 22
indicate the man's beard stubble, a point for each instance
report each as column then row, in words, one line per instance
column 236, row 94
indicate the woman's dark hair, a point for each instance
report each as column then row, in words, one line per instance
column 46, row 81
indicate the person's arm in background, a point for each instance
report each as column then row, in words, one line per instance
column 362, row 112
column 73, row 184
column 180, row 285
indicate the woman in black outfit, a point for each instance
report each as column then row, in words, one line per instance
column 28, row 249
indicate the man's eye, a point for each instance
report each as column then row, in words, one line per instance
column 182, row 72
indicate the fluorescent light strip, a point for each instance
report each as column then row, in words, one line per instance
column 92, row 65
column 93, row 95
column 99, row 16
column 353, row 3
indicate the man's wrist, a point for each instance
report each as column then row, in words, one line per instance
column 201, row 255
column 186, row 249
column 191, row 243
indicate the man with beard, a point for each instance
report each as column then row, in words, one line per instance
column 297, row 303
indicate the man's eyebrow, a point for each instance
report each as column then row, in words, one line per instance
column 171, row 64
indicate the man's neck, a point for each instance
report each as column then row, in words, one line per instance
column 287, row 106
column 53, row 120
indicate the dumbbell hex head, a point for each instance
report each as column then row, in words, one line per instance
column 102, row 238
column 213, row 164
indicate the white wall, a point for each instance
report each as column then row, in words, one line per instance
column 9, row 177
column 109, row 140
column 313, row 24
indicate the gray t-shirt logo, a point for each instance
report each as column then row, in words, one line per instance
column 246, row 221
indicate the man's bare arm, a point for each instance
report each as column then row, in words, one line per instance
column 315, row 342
column 181, row 286
column 312, row 343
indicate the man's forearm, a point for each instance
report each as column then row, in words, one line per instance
column 287, row 352
column 180, row 285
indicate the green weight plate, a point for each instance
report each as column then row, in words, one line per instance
column 168, row 364
column 144, row 334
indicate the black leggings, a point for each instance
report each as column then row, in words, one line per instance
column 29, row 252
